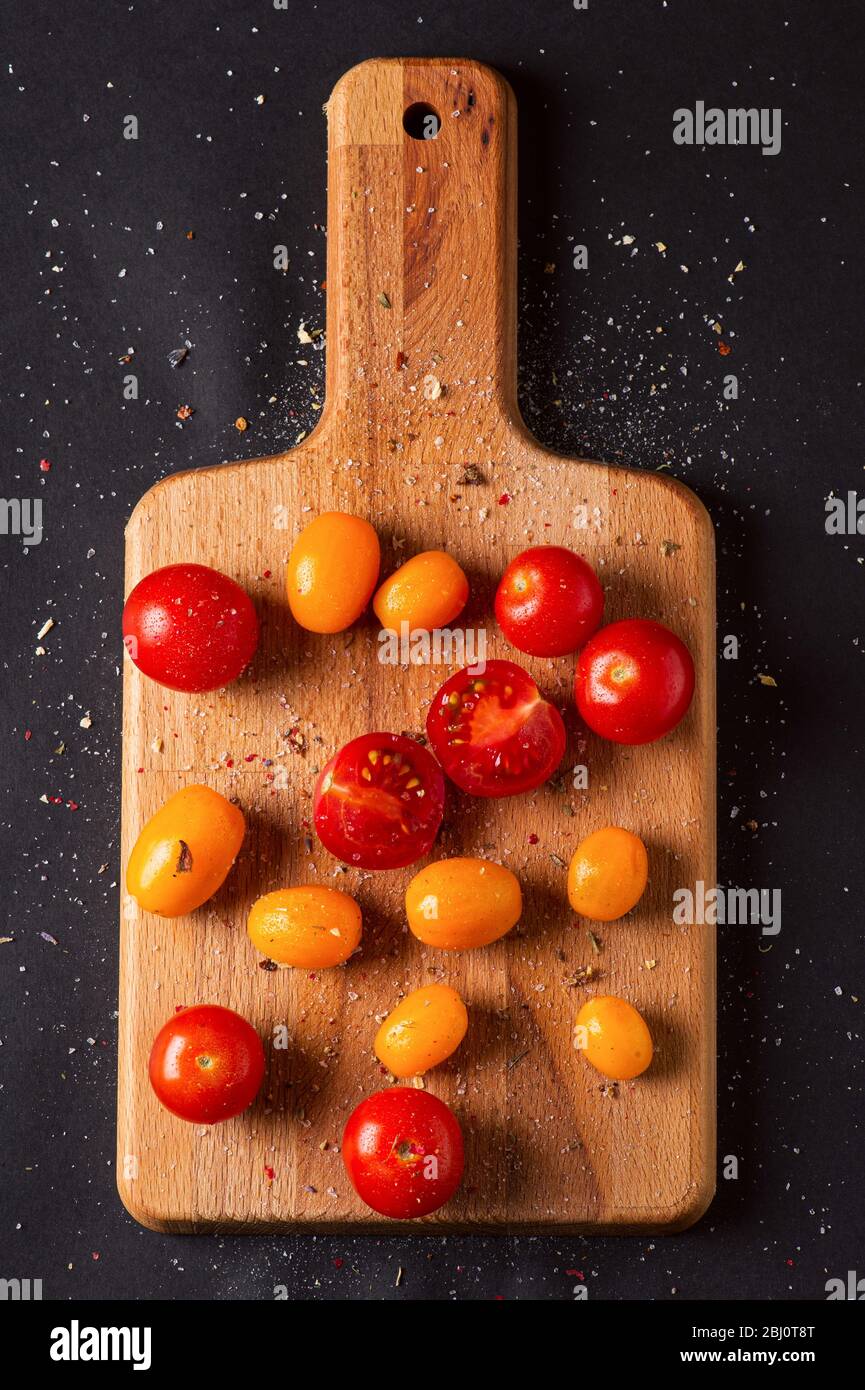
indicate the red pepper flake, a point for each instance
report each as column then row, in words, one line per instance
column 575, row 1274
column 28, row 734
column 338, row 1262
column 229, row 762
column 790, row 1264
column 45, row 465
column 533, row 838
column 504, row 499
column 268, row 1172
column 96, row 1254
column 724, row 348
column 185, row 412
column 73, row 805
column 190, row 236
column 401, row 360
column 266, row 574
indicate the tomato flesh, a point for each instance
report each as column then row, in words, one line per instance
column 495, row 734
column 188, row 627
column 206, row 1064
column 403, row 1152
column 634, row 681
column 549, row 601
column 379, row 802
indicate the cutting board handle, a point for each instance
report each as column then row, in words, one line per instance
column 421, row 267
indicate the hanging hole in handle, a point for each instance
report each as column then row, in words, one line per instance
column 421, row 121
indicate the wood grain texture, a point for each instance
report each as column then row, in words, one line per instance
column 428, row 227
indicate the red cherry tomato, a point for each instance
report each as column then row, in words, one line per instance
column 495, row 734
column 190, row 627
column 403, row 1152
column 549, row 601
column 379, row 803
column 634, row 681
column 206, row 1064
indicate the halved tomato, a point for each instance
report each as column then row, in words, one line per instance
column 494, row 734
column 379, row 802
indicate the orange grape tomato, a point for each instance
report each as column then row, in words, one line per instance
column 308, row 926
column 425, row 1028
column 332, row 571
column 457, row 904
column 614, row 1037
column 427, row 592
column 184, row 852
column 608, row 873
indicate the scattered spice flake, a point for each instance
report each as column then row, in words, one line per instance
column 472, row 476
column 296, row 741
column 28, row 734
column 670, row 547
column 184, row 859
column 767, row 680
column 384, row 301
column 582, row 976
column 241, row 423
column 650, row 964
column 267, row 965
column 550, row 268
column 724, row 348
column 398, row 1278
column 177, row 355
column 85, row 722
column 45, row 465
column 401, row 360
column 46, row 936
column 432, row 387
column 504, row 499
column 558, row 861
column 4, row 940
column 45, row 629
column 268, row 1172
column 190, row 236
column 596, row 942
column 515, row 1061
column 660, row 246
column 533, row 838
column 185, row 412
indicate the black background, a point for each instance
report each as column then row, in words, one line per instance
column 597, row 91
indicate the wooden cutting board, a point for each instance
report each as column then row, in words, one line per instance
column 421, row 290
